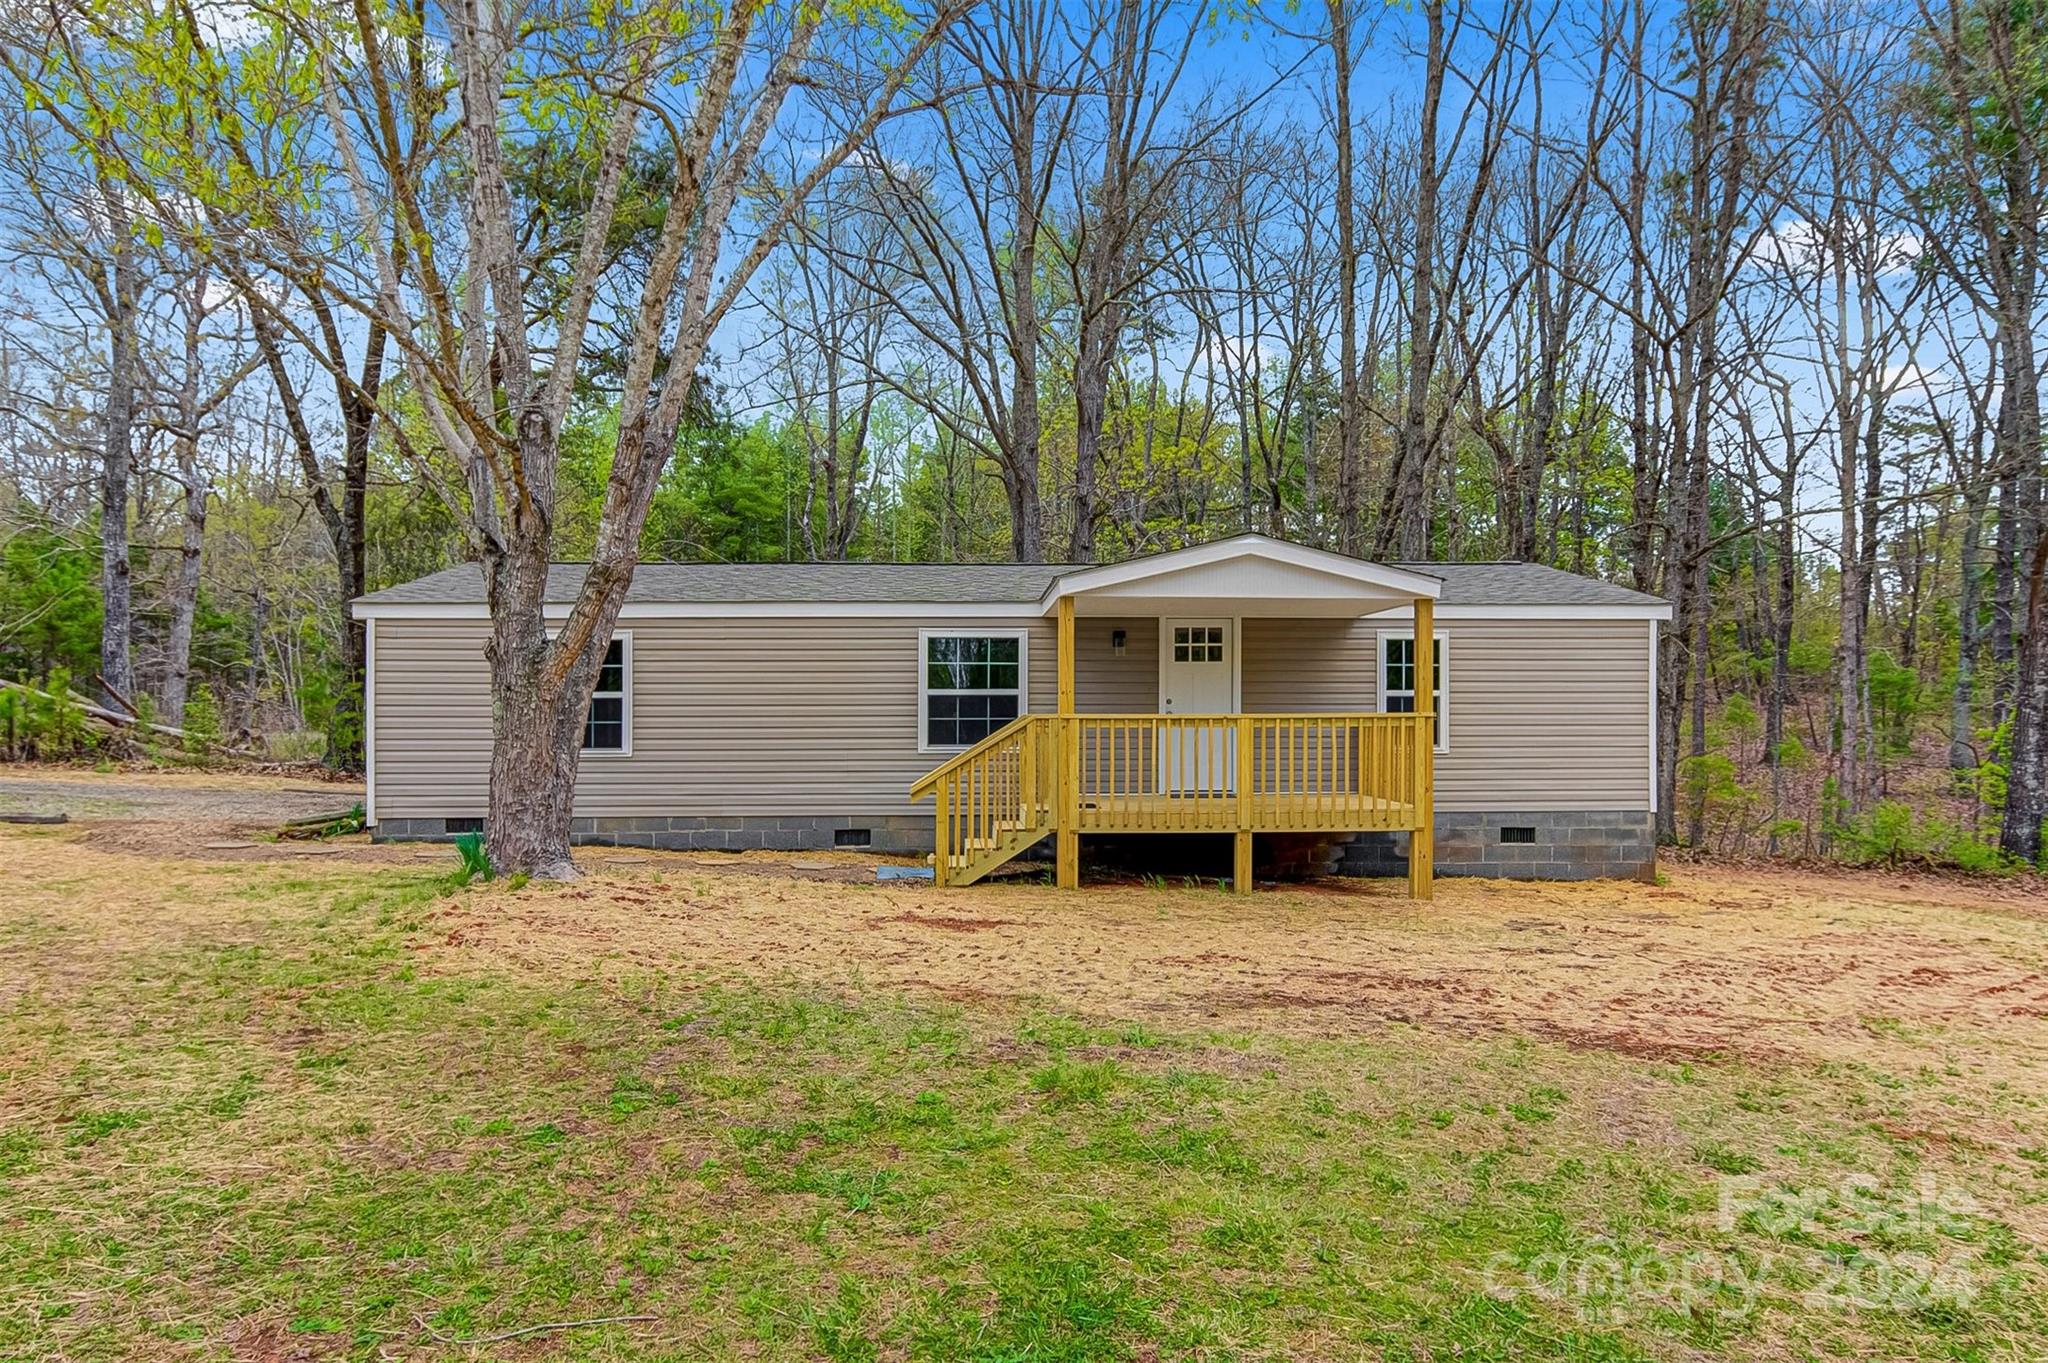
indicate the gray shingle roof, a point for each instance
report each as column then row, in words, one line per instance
column 1527, row 584
column 776, row 582
column 1465, row 584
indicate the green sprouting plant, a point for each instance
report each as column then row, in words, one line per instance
column 476, row 862
column 351, row 822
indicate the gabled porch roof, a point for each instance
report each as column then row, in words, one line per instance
column 1245, row 574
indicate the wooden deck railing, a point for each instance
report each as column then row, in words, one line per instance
column 993, row 800
column 1263, row 773
column 1148, row 773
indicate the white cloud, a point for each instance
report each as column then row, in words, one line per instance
column 1801, row 246
column 221, row 293
column 230, row 25
column 1910, row 380
column 1235, row 352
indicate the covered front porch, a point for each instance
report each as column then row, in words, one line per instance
column 1199, row 760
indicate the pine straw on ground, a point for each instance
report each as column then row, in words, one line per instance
column 1836, row 966
column 679, row 1083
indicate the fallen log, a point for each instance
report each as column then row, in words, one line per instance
column 35, row 818
column 116, row 720
column 121, row 700
column 93, row 710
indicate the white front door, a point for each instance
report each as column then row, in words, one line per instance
column 1197, row 676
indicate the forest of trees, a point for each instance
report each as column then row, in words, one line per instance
column 1733, row 301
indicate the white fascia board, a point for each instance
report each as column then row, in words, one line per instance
column 979, row 610
column 721, row 610
column 1631, row 611
column 1379, row 575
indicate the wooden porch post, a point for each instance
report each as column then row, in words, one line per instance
column 1066, row 837
column 1422, row 839
column 1247, row 769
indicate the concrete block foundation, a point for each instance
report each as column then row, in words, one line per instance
column 1568, row 845
column 1519, row 845
column 893, row 833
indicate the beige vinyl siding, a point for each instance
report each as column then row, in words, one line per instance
column 1105, row 684
column 729, row 716
column 818, row 716
column 1545, row 714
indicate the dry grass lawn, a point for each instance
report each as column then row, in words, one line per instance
column 268, row 1102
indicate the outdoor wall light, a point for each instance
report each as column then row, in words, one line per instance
column 1116, row 642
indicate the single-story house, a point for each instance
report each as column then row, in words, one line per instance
column 1249, row 686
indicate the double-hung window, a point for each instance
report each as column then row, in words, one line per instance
column 608, row 728
column 1397, row 680
column 969, row 685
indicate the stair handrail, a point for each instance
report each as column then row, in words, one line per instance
column 929, row 782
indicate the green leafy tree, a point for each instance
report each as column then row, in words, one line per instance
column 49, row 605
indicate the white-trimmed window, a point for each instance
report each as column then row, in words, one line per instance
column 969, row 684
column 1397, row 679
column 608, row 728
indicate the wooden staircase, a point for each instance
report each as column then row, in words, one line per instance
column 993, row 801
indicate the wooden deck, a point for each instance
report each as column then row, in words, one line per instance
column 1145, row 773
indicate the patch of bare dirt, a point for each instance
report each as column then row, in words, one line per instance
column 216, row 799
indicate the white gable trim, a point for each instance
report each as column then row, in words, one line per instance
column 370, row 724
column 1377, row 577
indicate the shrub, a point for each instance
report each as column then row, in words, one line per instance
column 202, row 723
column 145, row 717
column 1740, row 719
column 1893, row 832
column 13, row 724
column 1712, row 795
column 45, row 723
column 295, row 745
column 1895, row 700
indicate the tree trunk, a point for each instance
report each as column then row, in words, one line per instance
column 2004, row 600
column 1781, row 638
column 1350, row 534
column 536, row 728
column 185, row 592
column 1962, row 748
column 117, row 452
column 2027, row 781
column 1409, row 508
